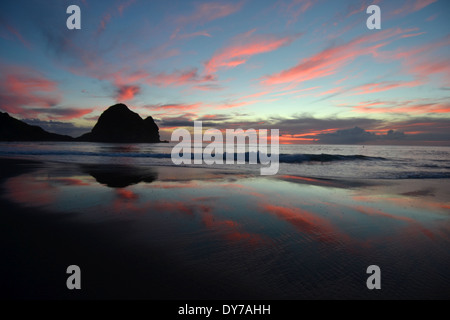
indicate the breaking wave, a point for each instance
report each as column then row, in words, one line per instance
column 248, row 156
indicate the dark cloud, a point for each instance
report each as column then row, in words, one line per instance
column 333, row 131
column 59, row 127
column 298, row 125
column 347, row 136
column 357, row 135
column 61, row 113
column 175, row 122
column 305, row 124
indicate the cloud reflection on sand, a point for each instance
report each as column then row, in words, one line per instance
column 31, row 191
column 308, row 223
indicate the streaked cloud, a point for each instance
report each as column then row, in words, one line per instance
column 384, row 86
column 10, row 32
column 410, row 6
column 243, row 47
column 209, row 11
column 293, row 9
column 23, row 87
column 331, row 60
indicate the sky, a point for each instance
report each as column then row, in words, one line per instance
column 310, row 68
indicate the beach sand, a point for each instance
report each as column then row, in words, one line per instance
column 186, row 233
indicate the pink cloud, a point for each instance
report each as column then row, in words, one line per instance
column 208, row 87
column 209, row 11
column 124, row 5
column 256, row 95
column 331, row 60
column 432, row 18
column 243, row 47
column 29, row 94
column 384, row 86
column 362, row 7
column 411, row 6
column 210, row 116
column 126, row 93
column 22, row 87
column 177, row 107
column 103, row 22
column 331, row 91
column 442, row 67
column 295, row 8
column 422, row 62
column 192, row 110
column 18, row 35
column 403, row 107
column 295, row 91
column 429, row 126
column 413, row 35
column 177, row 35
column 234, row 105
column 416, row 52
column 124, row 78
column 177, row 78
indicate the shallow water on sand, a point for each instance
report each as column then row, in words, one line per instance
column 284, row 237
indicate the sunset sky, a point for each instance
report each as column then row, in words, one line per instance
column 310, row 68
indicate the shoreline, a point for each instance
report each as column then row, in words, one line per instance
column 158, row 172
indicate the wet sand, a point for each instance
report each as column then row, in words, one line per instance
column 178, row 233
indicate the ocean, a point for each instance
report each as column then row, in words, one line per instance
column 318, row 161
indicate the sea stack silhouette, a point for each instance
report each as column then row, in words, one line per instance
column 120, row 124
